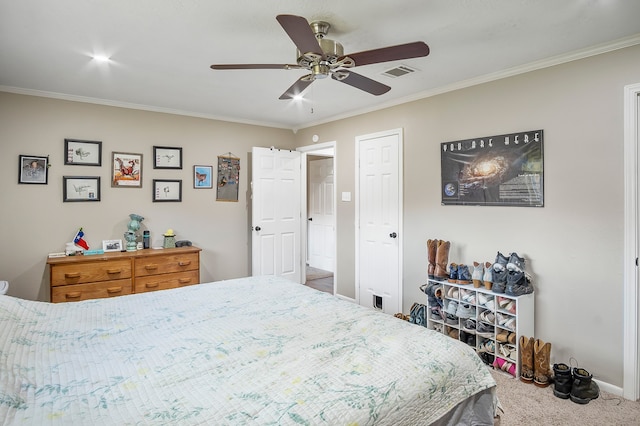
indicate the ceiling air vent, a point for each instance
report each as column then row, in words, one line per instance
column 399, row 71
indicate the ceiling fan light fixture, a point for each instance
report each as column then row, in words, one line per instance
column 320, row 70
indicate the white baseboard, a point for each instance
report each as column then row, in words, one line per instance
column 607, row 387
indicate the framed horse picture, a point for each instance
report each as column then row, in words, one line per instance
column 126, row 170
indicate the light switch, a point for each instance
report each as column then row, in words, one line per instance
column 346, row 196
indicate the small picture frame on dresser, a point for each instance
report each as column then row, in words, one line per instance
column 111, row 245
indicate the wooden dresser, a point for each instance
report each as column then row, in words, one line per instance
column 75, row 278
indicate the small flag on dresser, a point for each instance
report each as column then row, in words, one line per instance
column 79, row 241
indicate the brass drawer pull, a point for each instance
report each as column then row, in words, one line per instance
column 72, row 275
column 112, row 290
column 113, row 271
column 184, row 263
column 151, row 267
column 184, row 280
column 74, row 295
column 151, row 285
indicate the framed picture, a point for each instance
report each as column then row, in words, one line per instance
column 33, row 169
column 167, row 190
column 166, row 157
column 111, row 245
column 126, row 170
column 82, row 153
column 228, row 178
column 80, row 188
column 202, row 177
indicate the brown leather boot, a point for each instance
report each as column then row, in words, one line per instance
column 526, row 357
column 541, row 365
column 442, row 257
column 432, row 247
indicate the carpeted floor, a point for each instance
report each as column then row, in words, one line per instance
column 526, row 404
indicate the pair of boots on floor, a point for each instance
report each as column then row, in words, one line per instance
column 575, row 383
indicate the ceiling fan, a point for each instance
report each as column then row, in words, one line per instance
column 324, row 57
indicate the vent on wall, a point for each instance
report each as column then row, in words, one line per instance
column 399, row 71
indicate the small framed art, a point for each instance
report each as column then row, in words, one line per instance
column 166, row 157
column 82, row 153
column 202, row 177
column 33, row 169
column 80, row 188
column 112, row 245
column 167, row 190
column 126, row 170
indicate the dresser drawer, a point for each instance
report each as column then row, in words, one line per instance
column 166, row 281
column 88, row 272
column 77, row 292
column 165, row 264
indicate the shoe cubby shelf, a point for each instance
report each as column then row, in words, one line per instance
column 490, row 322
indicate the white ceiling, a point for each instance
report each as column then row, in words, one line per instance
column 161, row 50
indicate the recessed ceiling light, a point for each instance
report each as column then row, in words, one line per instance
column 101, row 58
column 297, row 98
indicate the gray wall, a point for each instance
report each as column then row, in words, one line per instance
column 35, row 221
column 573, row 245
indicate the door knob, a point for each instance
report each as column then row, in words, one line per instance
column 258, row 228
column 393, row 235
column 310, row 219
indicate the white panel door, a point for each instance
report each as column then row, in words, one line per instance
column 275, row 213
column 321, row 234
column 379, row 222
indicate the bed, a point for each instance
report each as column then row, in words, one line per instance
column 257, row 351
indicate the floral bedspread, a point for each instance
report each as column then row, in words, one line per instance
column 260, row 350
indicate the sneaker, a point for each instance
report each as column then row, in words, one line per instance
column 451, row 319
column 453, row 273
column 501, row 319
column 482, row 299
column 515, row 263
column 438, row 328
column 454, row 334
column 487, row 358
column 465, row 311
column 452, row 293
column 468, row 296
column 469, row 325
column 488, row 317
column 487, row 345
column 501, row 262
column 484, row 329
column 452, row 307
column 436, row 314
column 478, row 272
column 519, row 290
column 464, row 276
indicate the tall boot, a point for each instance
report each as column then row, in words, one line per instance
column 541, row 363
column 563, row 380
column 432, row 247
column 526, row 358
column 584, row 389
column 442, row 257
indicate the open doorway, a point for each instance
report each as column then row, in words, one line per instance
column 319, row 204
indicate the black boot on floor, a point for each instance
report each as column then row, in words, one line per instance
column 563, row 380
column 584, row 389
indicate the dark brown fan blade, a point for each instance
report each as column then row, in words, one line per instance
column 391, row 53
column 297, row 88
column 300, row 33
column 256, row 67
column 363, row 83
